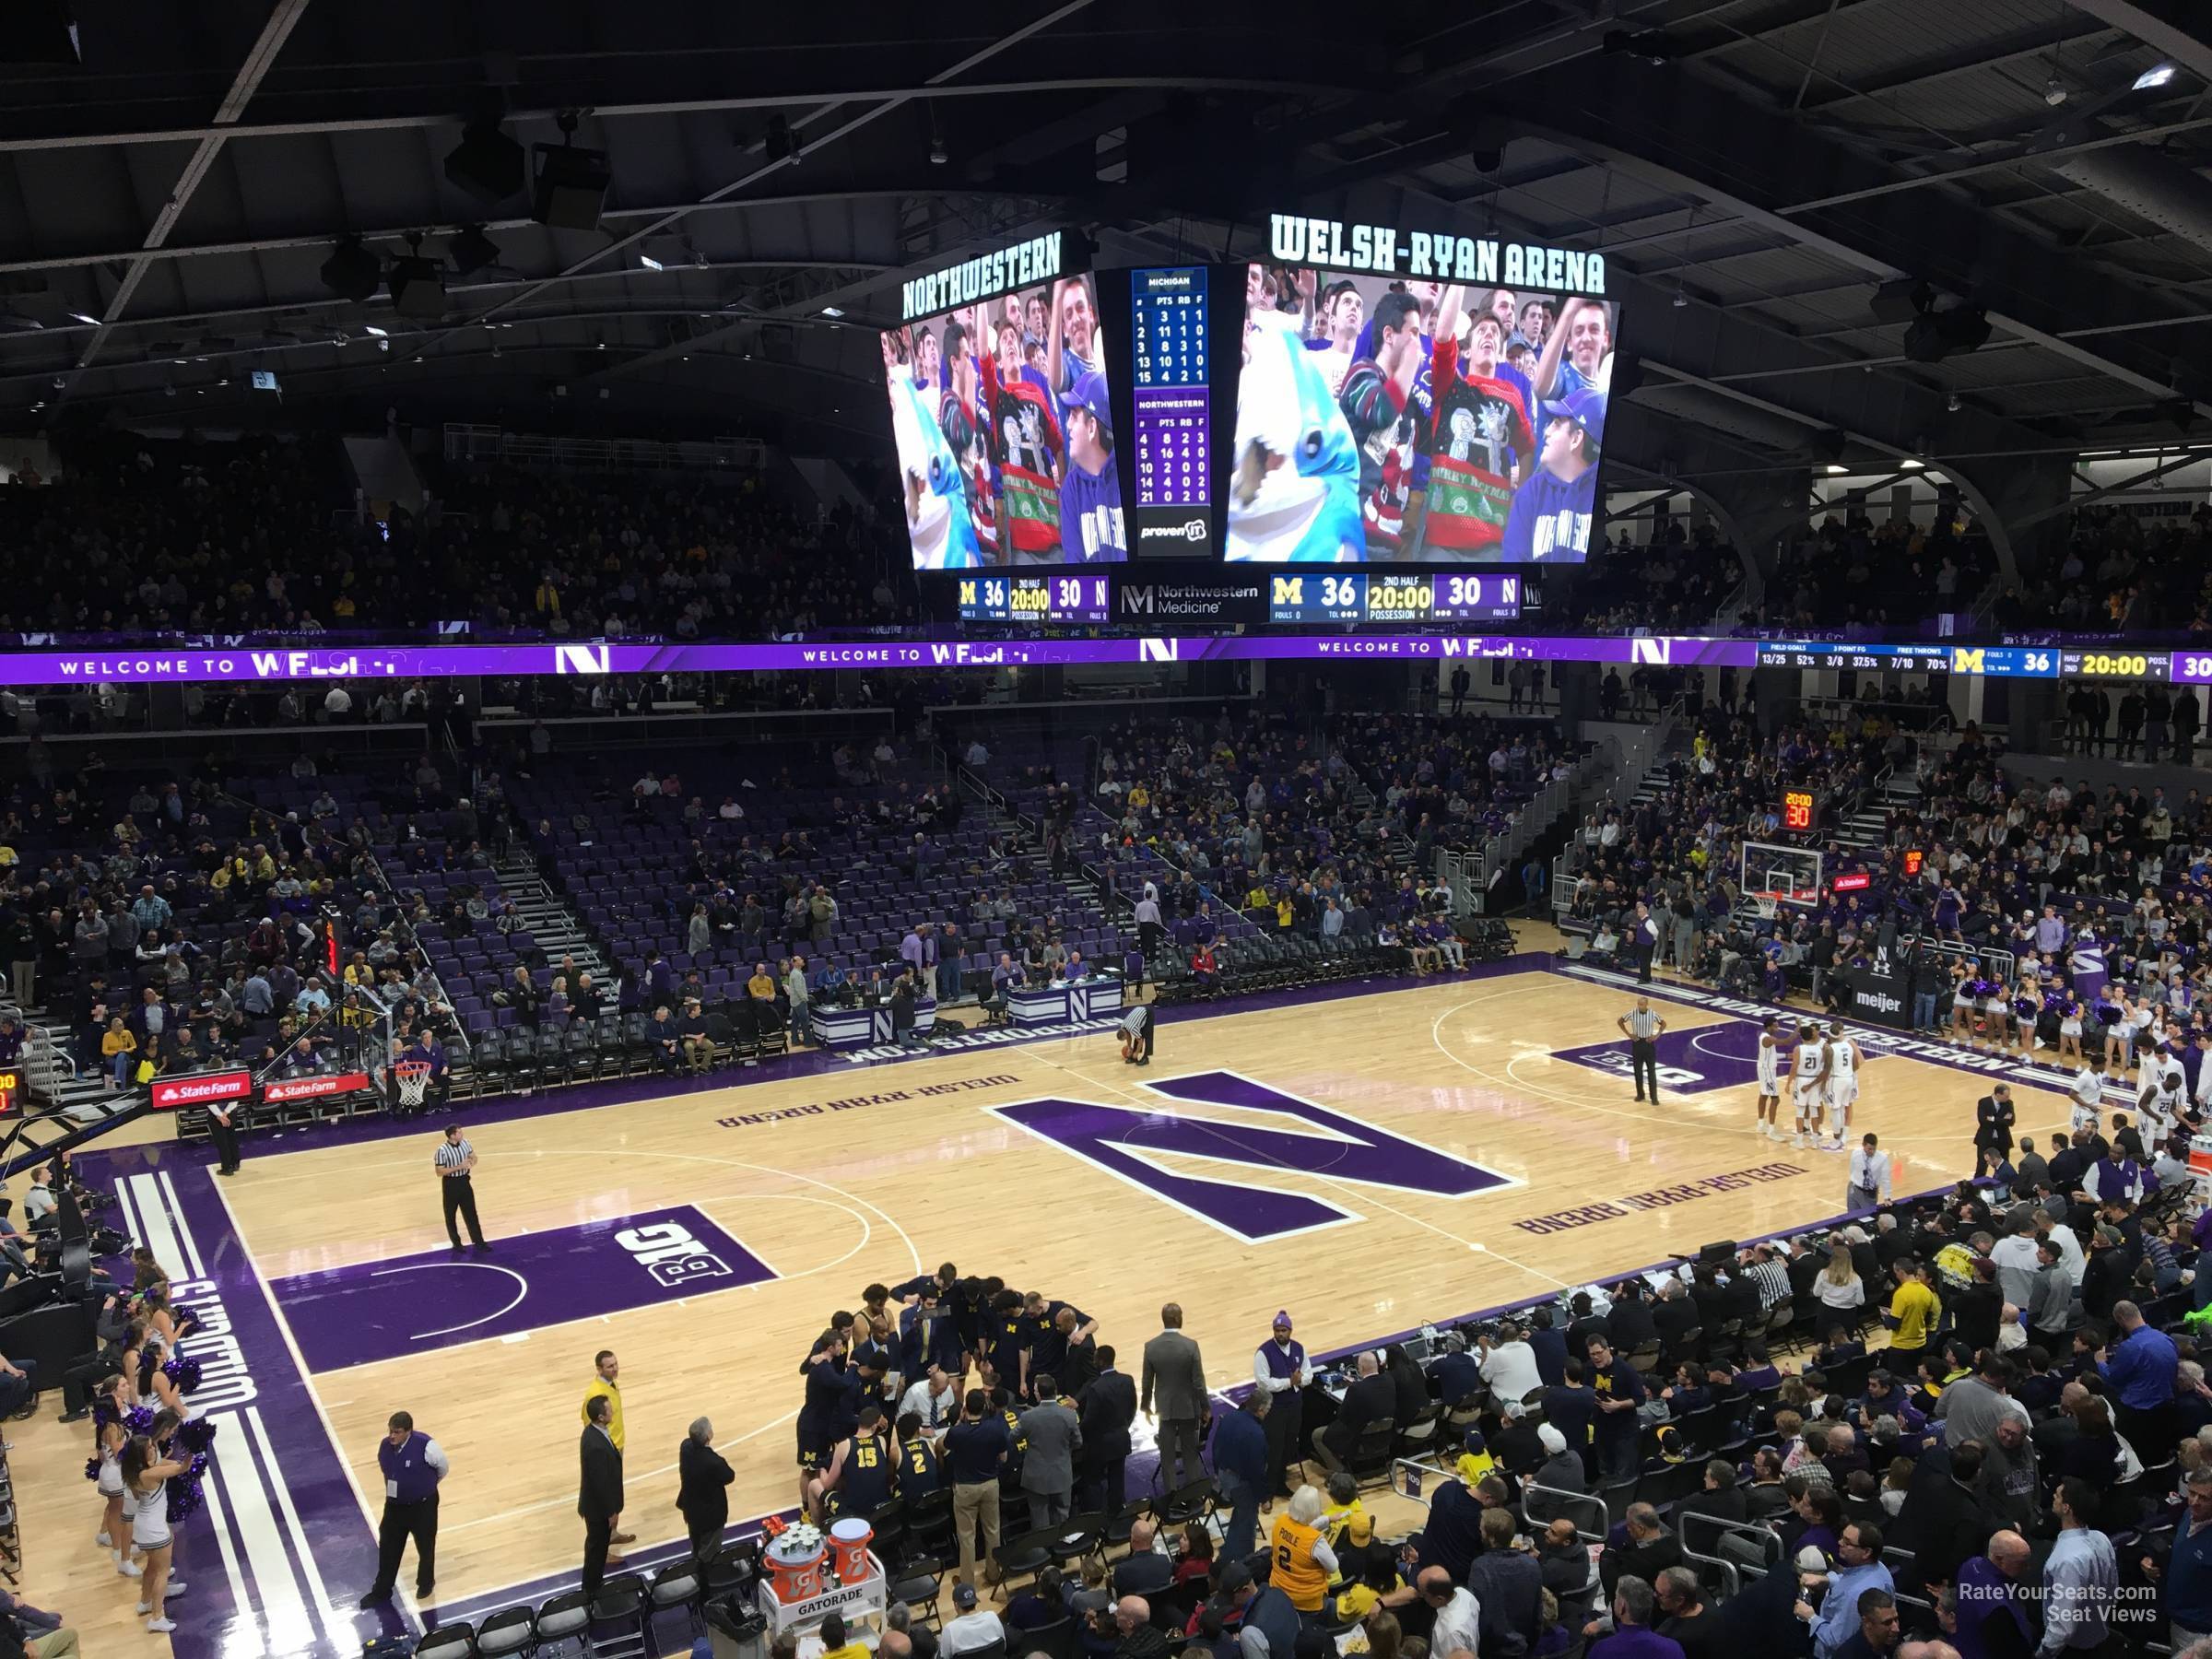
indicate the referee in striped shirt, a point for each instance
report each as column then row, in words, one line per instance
column 455, row 1159
column 1641, row 1025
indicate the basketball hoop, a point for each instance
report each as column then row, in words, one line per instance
column 1766, row 905
column 412, row 1080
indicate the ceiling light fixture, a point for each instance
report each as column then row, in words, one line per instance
column 372, row 329
column 1909, row 465
column 87, row 318
column 650, row 262
column 2157, row 75
column 833, row 310
column 1836, row 469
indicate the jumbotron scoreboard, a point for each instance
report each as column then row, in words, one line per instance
column 1075, row 598
column 1992, row 662
column 1393, row 596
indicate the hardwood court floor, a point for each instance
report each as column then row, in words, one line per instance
column 832, row 1199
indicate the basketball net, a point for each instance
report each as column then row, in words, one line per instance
column 412, row 1079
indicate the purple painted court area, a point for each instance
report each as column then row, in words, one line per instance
column 1118, row 1138
column 440, row 1298
column 1713, row 1057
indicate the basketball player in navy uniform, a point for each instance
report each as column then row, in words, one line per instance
column 920, row 1474
column 827, row 1413
column 862, row 1468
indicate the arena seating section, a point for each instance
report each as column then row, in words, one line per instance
column 125, row 535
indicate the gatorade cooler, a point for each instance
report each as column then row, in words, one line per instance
column 795, row 1566
column 850, row 1538
column 2200, row 1161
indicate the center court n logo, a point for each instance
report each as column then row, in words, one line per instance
column 1311, row 1142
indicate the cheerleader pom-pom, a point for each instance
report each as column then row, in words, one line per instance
column 184, row 1497
column 195, row 1436
column 139, row 1419
column 183, row 1373
column 92, row 1468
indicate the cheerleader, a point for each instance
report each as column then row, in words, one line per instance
column 161, row 1317
column 106, row 1473
column 2026, row 1009
column 1963, row 993
column 2067, row 1007
column 147, row 1475
column 2117, row 1017
column 1997, row 1016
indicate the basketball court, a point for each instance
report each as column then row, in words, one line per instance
column 1370, row 1161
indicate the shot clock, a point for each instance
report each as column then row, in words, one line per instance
column 1800, row 811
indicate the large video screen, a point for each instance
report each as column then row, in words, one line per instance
column 1393, row 419
column 1004, row 427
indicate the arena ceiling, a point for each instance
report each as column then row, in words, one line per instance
column 1781, row 182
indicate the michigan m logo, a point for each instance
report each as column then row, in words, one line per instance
column 1306, row 1147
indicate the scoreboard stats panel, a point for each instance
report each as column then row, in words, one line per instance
column 1074, row 598
column 1171, row 409
column 1408, row 597
column 2001, row 662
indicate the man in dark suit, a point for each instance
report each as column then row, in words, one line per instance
column 1106, row 1407
column 1646, row 1552
column 599, row 1498
column 702, row 1491
column 930, row 1335
column 1368, row 1400
column 1632, row 1324
column 1175, row 1382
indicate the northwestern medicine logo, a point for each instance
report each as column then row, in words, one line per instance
column 1304, row 1147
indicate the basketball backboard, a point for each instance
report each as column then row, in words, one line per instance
column 1785, row 875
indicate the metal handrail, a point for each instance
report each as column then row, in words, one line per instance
column 1571, row 1502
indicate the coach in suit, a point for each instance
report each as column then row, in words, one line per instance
column 702, row 1491
column 1108, row 1405
column 599, row 1498
column 1175, row 1393
column 1048, row 1468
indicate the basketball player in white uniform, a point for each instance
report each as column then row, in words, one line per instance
column 2089, row 1097
column 1841, row 1084
column 2164, row 1091
column 1769, row 1079
column 1809, row 1069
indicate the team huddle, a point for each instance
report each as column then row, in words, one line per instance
column 1824, row 1080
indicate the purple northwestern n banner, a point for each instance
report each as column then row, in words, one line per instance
column 441, row 1298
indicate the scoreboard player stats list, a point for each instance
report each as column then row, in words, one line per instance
column 1171, row 407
